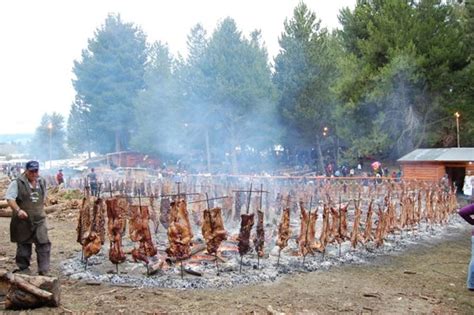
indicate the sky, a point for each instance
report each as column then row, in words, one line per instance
column 41, row 39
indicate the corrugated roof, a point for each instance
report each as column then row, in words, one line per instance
column 444, row 154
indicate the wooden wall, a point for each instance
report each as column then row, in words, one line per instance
column 430, row 171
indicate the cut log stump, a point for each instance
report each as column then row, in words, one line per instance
column 26, row 292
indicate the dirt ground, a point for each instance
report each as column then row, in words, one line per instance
column 427, row 278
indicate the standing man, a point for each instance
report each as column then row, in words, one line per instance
column 92, row 178
column 26, row 196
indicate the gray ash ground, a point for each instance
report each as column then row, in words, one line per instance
column 100, row 269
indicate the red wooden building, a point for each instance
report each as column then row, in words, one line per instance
column 432, row 164
column 131, row 159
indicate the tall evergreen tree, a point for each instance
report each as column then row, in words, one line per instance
column 109, row 77
column 199, row 113
column 157, row 107
column 79, row 128
column 403, row 57
column 240, row 87
column 304, row 72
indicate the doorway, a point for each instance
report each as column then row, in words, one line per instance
column 456, row 177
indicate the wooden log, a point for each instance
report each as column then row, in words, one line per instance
column 193, row 272
column 196, row 249
column 4, row 284
column 3, row 204
column 152, row 269
column 6, row 213
column 27, row 292
column 24, row 285
column 53, row 208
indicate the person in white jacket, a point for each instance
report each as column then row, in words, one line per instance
column 468, row 184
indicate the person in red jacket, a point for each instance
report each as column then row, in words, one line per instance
column 466, row 213
column 60, row 177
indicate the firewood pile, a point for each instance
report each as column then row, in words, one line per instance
column 27, row 292
column 4, row 182
column 61, row 202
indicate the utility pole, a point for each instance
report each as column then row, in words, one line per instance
column 457, row 126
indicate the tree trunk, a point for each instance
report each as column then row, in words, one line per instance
column 233, row 153
column 25, row 292
column 320, row 155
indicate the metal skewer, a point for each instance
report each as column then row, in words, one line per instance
column 288, row 203
column 212, row 228
column 307, row 229
column 207, row 200
column 250, row 196
column 247, row 211
column 340, row 222
column 261, row 197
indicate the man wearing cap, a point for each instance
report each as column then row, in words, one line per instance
column 26, row 196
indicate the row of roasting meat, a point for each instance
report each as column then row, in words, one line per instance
column 175, row 217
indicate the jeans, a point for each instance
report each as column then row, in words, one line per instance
column 470, row 271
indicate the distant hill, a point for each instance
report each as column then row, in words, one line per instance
column 19, row 137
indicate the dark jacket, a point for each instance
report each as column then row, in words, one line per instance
column 466, row 214
column 32, row 229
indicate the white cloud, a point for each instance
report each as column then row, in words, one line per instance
column 41, row 39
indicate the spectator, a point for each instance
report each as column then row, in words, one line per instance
column 467, row 188
column 445, row 182
column 60, row 177
column 92, row 178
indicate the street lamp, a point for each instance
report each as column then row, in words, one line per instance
column 50, row 129
column 457, row 115
column 325, row 131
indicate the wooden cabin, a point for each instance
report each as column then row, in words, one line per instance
column 432, row 164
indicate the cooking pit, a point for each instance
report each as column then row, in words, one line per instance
column 400, row 217
column 327, row 225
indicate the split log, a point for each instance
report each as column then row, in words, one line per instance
column 152, row 269
column 53, row 208
column 6, row 213
column 4, row 284
column 26, row 292
column 196, row 249
column 193, row 272
column 3, row 204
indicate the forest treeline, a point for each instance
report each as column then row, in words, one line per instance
column 388, row 81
